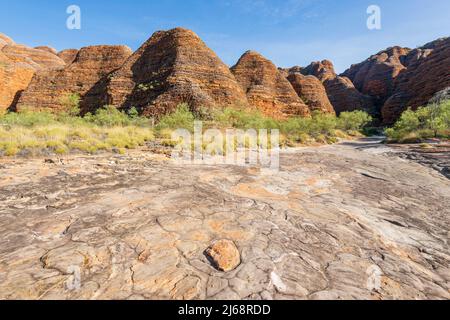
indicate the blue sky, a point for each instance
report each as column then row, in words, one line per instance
column 290, row 32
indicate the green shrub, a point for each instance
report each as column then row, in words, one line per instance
column 355, row 120
column 181, row 118
column 27, row 118
column 109, row 116
column 426, row 122
column 71, row 104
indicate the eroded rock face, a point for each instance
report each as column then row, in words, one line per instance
column 4, row 40
column 340, row 90
column 14, row 78
column 173, row 67
column 323, row 70
column 375, row 76
column 440, row 96
column 18, row 64
column 47, row 48
column 345, row 97
column 224, row 255
column 68, row 55
column 48, row 88
column 267, row 88
column 312, row 92
column 427, row 73
column 38, row 59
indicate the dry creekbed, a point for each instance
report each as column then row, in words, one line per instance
column 349, row 221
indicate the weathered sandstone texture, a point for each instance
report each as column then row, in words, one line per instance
column 427, row 73
column 311, row 91
column 48, row 88
column 4, row 40
column 18, row 64
column 267, row 88
column 173, row 67
column 14, row 78
column 323, row 70
column 68, row 55
column 340, row 90
column 38, row 59
column 224, row 255
column 348, row 221
column 440, row 96
column 345, row 97
column 376, row 76
column 47, row 48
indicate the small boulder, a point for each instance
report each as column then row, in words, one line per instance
column 224, row 255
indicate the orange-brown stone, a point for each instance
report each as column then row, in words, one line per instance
column 68, row 55
column 267, row 88
column 224, row 255
column 92, row 64
column 312, row 92
column 427, row 73
column 173, row 67
column 18, row 64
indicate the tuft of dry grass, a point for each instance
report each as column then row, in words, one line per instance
column 64, row 138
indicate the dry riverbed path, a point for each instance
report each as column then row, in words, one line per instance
column 348, row 221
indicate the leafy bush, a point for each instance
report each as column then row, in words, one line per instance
column 245, row 119
column 110, row 116
column 426, row 122
column 182, row 117
column 71, row 104
column 353, row 120
column 27, row 118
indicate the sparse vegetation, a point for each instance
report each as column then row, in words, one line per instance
column 182, row 117
column 427, row 122
column 43, row 132
column 71, row 103
column 28, row 132
column 320, row 128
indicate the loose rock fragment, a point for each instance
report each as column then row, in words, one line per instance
column 224, row 255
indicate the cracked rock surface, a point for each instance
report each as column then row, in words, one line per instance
column 336, row 222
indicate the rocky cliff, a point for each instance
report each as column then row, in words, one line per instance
column 340, row 90
column 176, row 66
column 427, row 72
column 311, row 91
column 323, row 70
column 48, row 88
column 267, row 88
column 376, row 76
column 18, row 63
column 68, row 55
column 173, row 67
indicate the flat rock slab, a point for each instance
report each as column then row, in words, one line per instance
column 347, row 221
